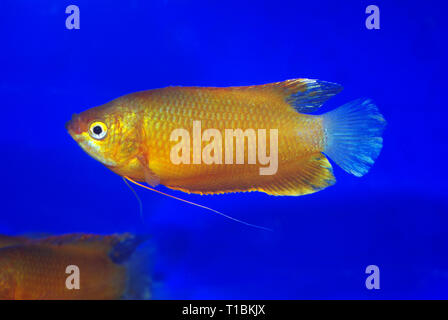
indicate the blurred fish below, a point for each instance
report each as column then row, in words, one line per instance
column 73, row 267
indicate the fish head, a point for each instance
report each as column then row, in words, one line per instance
column 107, row 133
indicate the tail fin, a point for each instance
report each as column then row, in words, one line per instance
column 139, row 284
column 353, row 135
column 135, row 256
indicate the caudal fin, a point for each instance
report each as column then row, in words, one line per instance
column 353, row 135
column 135, row 256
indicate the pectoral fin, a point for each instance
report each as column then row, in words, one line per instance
column 150, row 177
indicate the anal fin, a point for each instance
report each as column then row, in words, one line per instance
column 306, row 176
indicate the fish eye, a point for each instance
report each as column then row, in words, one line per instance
column 98, row 130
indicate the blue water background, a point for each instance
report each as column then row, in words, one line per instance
column 394, row 217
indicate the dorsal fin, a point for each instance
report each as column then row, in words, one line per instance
column 78, row 239
column 305, row 95
column 118, row 246
column 6, row 241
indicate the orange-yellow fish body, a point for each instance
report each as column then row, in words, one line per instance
column 36, row 269
column 134, row 136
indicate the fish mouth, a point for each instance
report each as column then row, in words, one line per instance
column 74, row 126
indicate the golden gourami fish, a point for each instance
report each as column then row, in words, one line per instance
column 35, row 269
column 188, row 138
